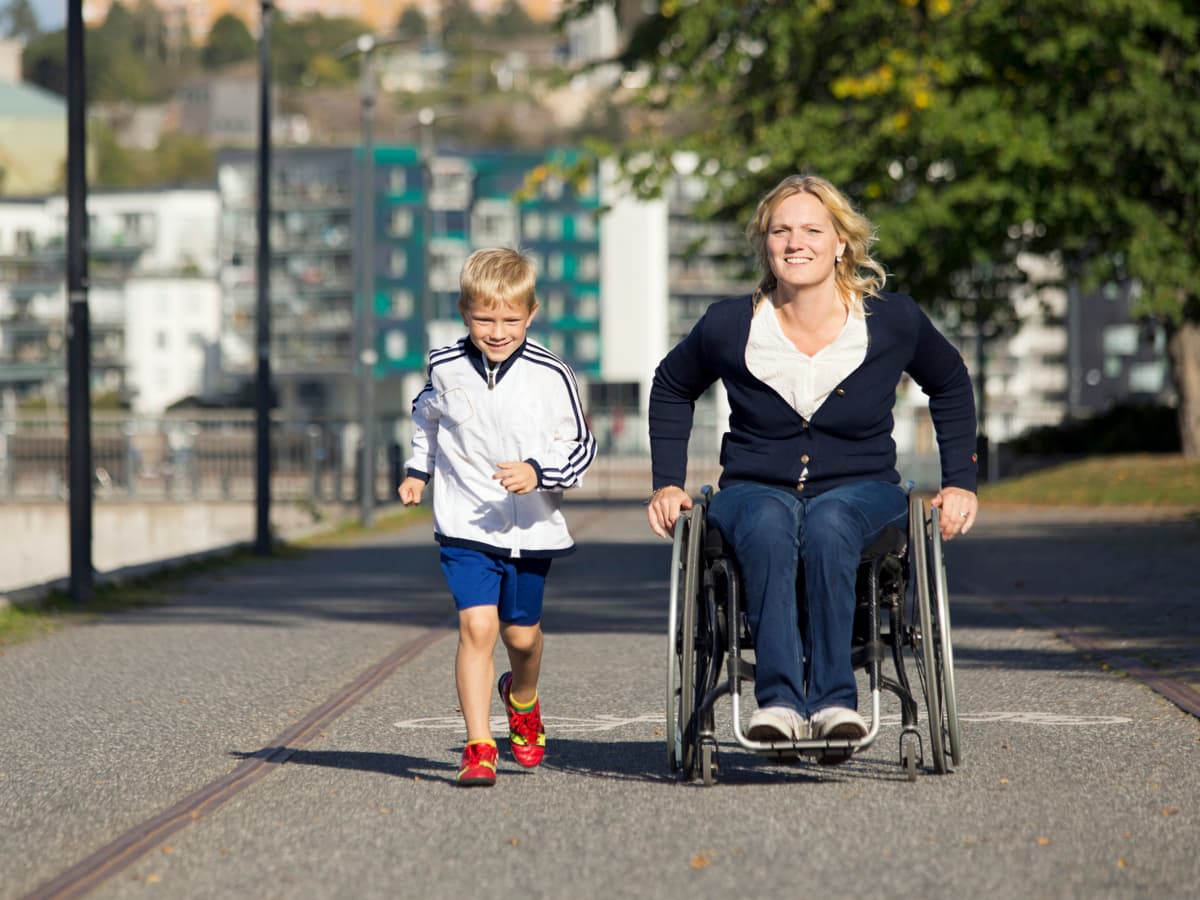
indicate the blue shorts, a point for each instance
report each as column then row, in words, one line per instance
column 514, row 586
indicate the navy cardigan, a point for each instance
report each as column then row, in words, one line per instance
column 848, row 439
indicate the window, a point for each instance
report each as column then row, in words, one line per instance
column 532, row 226
column 585, row 227
column 589, row 267
column 401, row 222
column 1148, row 377
column 587, row 347
column 398, row 264
column 605, row 396
column 395, row 345
column 402, row 303
column 1121, row 340
column 587, row 308
column 397, row 181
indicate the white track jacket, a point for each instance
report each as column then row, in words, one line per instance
column 468, row 418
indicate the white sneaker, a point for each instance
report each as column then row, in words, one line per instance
column 837, row 722
column 777, row 723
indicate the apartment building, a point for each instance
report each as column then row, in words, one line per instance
column 153, row 296
column 427, row 211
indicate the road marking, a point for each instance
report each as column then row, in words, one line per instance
column 557, row 723
column 609, row 723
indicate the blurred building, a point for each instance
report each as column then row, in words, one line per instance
column 33, row 139
column 153, row 297
column 428, row 212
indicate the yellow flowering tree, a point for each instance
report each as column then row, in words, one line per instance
column 970, row 132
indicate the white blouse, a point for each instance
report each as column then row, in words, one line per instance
column 803, row 381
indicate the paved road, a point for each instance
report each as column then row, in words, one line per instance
column 288, row 729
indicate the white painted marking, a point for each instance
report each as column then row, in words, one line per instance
column 608, row 723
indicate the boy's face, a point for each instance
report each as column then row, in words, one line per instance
column 497, row 329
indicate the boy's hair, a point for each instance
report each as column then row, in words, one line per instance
column 498, row 276
column 857, row 275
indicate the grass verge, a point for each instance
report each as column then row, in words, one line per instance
column 1168, row 482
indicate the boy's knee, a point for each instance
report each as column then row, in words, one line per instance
column 478, row 626
column 521, row 638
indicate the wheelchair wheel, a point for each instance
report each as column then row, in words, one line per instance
column 924, row 644
column 940, row 607
column 681, row 633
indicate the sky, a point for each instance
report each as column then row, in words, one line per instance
column 52, row 14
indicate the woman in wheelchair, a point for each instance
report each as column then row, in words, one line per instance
column 810, row 363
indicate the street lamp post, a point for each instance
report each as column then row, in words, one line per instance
column 367, row 355
column 79, row 432
column 427, row 147
column 262, row 539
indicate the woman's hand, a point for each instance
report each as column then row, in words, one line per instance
column 959, row 507
column 664, row 507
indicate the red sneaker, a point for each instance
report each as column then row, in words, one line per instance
column 525, row 733
column 478, row 766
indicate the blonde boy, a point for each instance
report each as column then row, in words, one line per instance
column 500, row 427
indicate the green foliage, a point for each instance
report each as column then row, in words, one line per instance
column 229, row 41
column 44, row 62
column 1128, row 428
column 412, row 23
column 178, row 159
column 20, row 20
column 310, row 51
column 969, row 132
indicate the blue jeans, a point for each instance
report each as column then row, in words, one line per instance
column 771, row 531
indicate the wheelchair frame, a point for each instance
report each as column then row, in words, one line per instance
column 707, row 630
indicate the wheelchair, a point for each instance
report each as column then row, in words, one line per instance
column 902, row 610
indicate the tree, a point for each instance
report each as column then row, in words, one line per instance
column 412, row 23
column 229, row 41
column 511, row 20
column 20, row 21
column 306, row 50
column 461, row 25
column 970, row 132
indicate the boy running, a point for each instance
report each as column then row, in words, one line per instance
column 500, row 423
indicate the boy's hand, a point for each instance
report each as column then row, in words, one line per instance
column 410, row 490
column 516, row 477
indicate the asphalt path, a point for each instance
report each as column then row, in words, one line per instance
column 288, row 728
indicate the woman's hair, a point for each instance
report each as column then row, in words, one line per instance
column 498, row 276
column 858, row 275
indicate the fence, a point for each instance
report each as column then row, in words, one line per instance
column 212, row 456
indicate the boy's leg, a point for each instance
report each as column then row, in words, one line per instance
column 474, row 671
column 524, row 645
column 520, row 612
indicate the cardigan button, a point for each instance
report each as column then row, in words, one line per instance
column 800, row 486
column 841, row 393
column 804, row 459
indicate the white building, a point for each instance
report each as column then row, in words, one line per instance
column 153, row 295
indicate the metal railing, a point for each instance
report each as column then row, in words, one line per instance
column 211, row 456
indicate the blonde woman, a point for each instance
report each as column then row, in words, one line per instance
column 810, row 362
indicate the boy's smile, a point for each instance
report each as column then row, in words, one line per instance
column 498, row 330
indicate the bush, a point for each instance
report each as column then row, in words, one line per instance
column 1127, row 428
